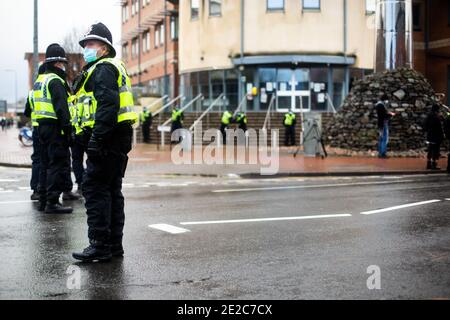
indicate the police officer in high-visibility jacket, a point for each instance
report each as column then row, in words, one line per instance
column 177, row 123
column 50, row 94
column 36, row 155
column 241, row 120
column 225, row 121
column 106, row 92
column 146, row 122
column 289, row 123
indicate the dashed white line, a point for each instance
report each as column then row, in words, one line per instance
column 168, row 228
column 23, row 201
column 409, row 205
column 312, row 187
column 268, row 219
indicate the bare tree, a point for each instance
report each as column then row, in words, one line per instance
column 71, row 39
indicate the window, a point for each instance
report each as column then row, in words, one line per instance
column 275, row 5
column 371, row 6
column 156, row 36
column 174, row 28
column 162, row 33
column 125, row 13
column 215, row 7
column 145, row 2
column 311, row 4
column 417, row 17
column 195, row 6
column 134, row 48
column 146, row 40
column 125, row 51
column 134, row 7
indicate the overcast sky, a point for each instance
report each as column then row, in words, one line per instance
column 56, row 19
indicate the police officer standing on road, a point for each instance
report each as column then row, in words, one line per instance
column 289, row 123
column 107, row 90
column 50, row 95
column 36, row 155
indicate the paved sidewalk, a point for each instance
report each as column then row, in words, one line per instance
column 150, row 160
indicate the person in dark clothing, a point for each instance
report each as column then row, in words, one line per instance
column 106, row 87
column 36, row 155
column 146, row 123
column 50, row 94
column 447, row 135
column 241, row 120
column 383, row 125
column 435, row 136
column 289, row 123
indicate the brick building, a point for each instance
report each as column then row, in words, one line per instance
column 150, row 45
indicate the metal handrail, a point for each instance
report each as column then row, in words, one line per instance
column 184, row 108
column 157, row 101
column 267, row 119
column 239, row 106
column 330, row 103
column 206, row 111
column 168, row 105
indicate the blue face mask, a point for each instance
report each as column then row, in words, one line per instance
column 90, row 54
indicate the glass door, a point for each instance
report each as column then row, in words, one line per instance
column 293, row 90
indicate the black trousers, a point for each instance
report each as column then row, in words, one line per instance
column 102, row 189
column 289, row 137
column 146, row 132
column 35, row 160
column 434, row 150
column 78, row 150
column 55, row 159
column 223, row 128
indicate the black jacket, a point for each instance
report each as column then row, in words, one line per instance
column 59, row 93
column 103, row 83
column 433, row 127
column 382, row 114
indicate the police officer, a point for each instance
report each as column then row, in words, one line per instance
column 289, row 123
column 435, row 135
column 146, row 122
column 106, row 91
column 241, row 120
column 50, row 94
column 35, row 156
column 226, row 120
column 177, row 122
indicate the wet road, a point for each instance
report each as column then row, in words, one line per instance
column 209, row 238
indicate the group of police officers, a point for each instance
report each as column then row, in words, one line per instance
column 95, row 118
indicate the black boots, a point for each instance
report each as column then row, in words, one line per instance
column 97, row 251
column 35, row 196
column 117, row 250
column 68, row 196
column 57, row 208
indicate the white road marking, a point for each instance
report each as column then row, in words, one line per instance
column 400, row 207
column 23, row 201
column 268, row 219
column 6, row 191
column 9, row 180
column 24, row 188
column 168, row 228
column 312, row 187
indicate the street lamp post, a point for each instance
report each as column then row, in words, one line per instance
column 15, row 87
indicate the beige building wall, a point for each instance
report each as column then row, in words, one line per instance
column 211, row 42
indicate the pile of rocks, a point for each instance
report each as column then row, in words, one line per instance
column 354, row 127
